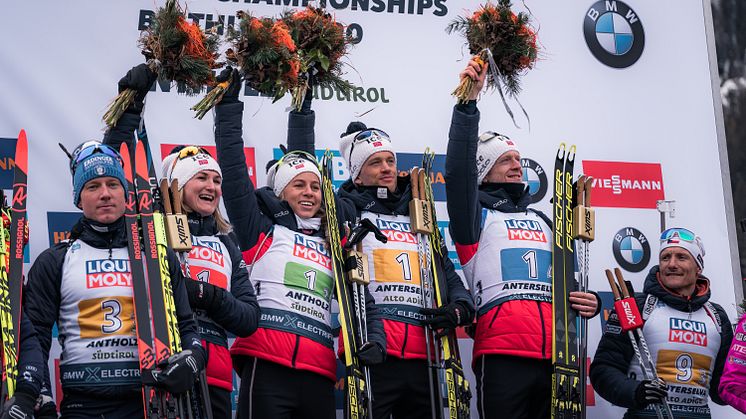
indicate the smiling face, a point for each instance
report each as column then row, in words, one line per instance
column 102, row 200
column 202, row 193
column 379, row 170
column 507, row 169
column 303, row 193
column 678, row 270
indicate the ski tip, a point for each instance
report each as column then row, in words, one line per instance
column 21, row 158
column 561, row 151
column 125, row 153
column 571, row 153
column 141, row 160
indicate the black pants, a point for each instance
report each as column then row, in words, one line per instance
column 83, row 406
column 510, row 387
column 401, row 388
column 220, row 401
column 269, row 390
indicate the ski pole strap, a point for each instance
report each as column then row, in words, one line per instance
column 714, row 315
column 650, row 303
column 628, row 314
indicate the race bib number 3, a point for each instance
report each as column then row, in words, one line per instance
column 391, row 265
column 308, row 279
column 526, row 265
column 684, row 367
column 100, row 317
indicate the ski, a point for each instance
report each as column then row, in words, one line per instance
column 357, row 378
column 447, row 353
column 566, row 378
column 11, row 268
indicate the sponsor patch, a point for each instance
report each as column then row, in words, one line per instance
column 527, row 230
column 687, row 331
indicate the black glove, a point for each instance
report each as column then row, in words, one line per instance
column 371, row 354
column 177, row 373
column 231, row 93
column 139, row 79
column 651, row 392
column 447, row 317
column 45, row 408
column 204, row 296
column 20, row 406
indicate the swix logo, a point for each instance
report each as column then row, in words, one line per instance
column 687, row 331
column 313, row 251
column 625, row 184
column 396, row 231
column 103, row 273
column 629, row 314
column 529, row 230
column 207, row 250
column 19, row 197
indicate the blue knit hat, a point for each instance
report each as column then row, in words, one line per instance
column 93, row 160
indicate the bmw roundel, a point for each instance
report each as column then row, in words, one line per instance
column 631, row 249
column 536, row 178
column 614, row 33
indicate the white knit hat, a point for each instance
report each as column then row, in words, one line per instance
column 357, row 146
column 287, row 168
column 490, row 147
column 681, row 237
column 183, row 169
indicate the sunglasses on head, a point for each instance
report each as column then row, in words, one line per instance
column 367, row 135
column 680, row 233
column 88, row 151
column 190, row 151
column 490, row 135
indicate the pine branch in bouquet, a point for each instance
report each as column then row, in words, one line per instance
column 494, row 30
column 176, row 49
column 265, row 54
column 321, row 43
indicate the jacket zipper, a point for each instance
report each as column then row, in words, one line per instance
column 494, row 317
column 406, row 335
column 543, row 335
column 295, row 351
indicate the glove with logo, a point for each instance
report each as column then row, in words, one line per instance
column 231, row 93
column 20, row 406
column 176, row 374
column 139, row 79
column 371, row 354
column 648, row 392
column 45, row 408
column 446, row 317
column 204, row 296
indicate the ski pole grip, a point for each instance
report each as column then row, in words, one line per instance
column 628, row 314
column 166, row 196
column 613, row 286
column 414, row 179
column 622, row 284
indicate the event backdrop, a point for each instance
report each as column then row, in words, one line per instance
column 630, row 83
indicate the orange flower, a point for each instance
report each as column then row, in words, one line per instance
column 282, row 36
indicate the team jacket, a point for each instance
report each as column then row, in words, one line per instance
column 688, row 340
column 290, row 266
column 216, row 259
column 394, row 266
column 733, row 382
column 504, row 248
column 85, row 286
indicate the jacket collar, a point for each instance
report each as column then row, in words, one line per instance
column 504, row 197
column 682, row 303
column 98, row 235
column 279, row 211
column 379, row 200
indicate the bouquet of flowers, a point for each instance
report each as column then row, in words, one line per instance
column 176, row 49
column 321, row 44
column 503, row 39
column 265, row 54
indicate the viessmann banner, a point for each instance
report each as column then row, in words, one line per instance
column 630, row 83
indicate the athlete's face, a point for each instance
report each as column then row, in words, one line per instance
column 303, row 193
column 379, row 170
column 678, row 270
column 203, row 191
column 102, row 199
column 507, row 169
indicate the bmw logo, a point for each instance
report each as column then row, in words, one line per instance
column 536, row 178
column 614, row 33
column 631, row 249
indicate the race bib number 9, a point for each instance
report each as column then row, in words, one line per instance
column 308, row 279
column 684, row 367
column 390, row 265
column 100, row 317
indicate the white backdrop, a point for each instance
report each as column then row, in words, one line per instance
column 60, row 62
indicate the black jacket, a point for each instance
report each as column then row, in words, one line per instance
column 608, row 371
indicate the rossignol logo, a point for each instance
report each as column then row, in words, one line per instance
column 108, row 273
column 529, row 230
column 207, row 250
column 396, row 231
column 614, row 33
column 625, row 184
column 536, row 179
column 631, row 249
column 312, row 251
column 687, row 331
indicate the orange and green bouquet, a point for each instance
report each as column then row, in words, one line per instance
column 322, row 44
column 504, row 39
column 177, row 50
column 265, row 54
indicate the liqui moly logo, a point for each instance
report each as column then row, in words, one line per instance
column 687, row 331
column 625, row 184
column 206, row 250
column 396, row 231
column 108, row 273
column 529, row 230
column 313, row 251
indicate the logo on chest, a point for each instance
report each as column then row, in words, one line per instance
column 108, row 273
column 396, row 231
column 687, row 331
column 527, row 230
column 311, row 250
column 208, row 251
